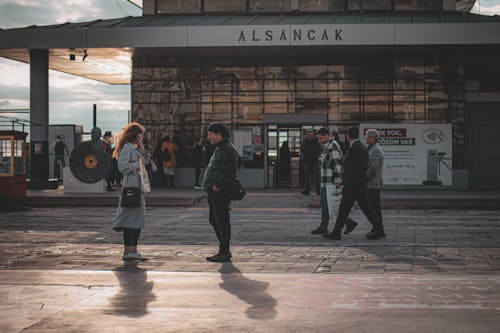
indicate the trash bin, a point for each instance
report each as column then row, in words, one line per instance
column 295, row 171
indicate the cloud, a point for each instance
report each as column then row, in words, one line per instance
column 24, row 13
column 70, row 97
column 486, row 7
column 14, row 73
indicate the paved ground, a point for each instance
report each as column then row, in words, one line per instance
column 394, row 198
column 60, row 271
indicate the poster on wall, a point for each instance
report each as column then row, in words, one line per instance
column 242, row 140
column 415, row 154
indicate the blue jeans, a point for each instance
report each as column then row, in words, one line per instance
column 325, row 214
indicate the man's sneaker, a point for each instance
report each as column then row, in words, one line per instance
column 304, row 193
column 350, row 226
column 198, row 188
column 319, row 231
column 134, row 256
column 370, row 232
column 220, row 257
column 333, row 236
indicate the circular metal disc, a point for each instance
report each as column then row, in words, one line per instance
column 89, row 164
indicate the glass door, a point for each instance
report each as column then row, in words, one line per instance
column 283, row 151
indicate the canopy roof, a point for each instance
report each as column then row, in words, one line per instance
column 110, row 44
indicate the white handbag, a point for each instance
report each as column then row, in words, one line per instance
column 143, row 173
column 333, row 196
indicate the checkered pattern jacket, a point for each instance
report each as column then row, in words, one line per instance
column 331, row 163
column 375, row 167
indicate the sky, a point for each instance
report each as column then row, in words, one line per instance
column 71, row 97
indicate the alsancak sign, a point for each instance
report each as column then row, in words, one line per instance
column 297, row 34
column 287, row 35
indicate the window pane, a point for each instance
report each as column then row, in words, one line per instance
column 369, row 4
column 5, row 156
column 417, row 4
column 225, row 6
column 318, row 5
column 270, row 6
column 177, row 6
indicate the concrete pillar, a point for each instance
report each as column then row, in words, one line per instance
column 39, row 113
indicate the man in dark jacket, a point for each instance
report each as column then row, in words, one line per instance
column 355, row 189
column 219, row 176
column 310, row 151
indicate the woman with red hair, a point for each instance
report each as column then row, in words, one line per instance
column 130, row 154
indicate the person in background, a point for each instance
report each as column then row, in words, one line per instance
column 197, row 159
column 60, row 151
column 284, row 170
column 334, row 130
column 374, row 175
column 159, row 178
column 310, row 152
column 149, row 154
column 130, row 153
column 108, row 138
column 168, row 149
column 355, row 189
column 331, row 174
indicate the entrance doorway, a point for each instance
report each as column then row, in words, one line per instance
column 284, row 168
column 283, row 155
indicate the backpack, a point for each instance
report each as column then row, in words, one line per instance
column 166, row 155
column 59, row 148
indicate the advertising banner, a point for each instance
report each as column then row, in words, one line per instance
column 242, row 141
column 415, row 154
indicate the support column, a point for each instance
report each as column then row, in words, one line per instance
column 39, row 113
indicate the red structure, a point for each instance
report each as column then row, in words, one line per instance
column 13, row 163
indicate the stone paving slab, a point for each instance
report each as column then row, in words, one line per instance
column 254, row 259
column 130, row 300
column 438, row 270
column 158, row 198
column 395, row 198
column 269, row 235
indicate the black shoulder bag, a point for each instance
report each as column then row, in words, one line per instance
column 237, row 190
column 131, row 197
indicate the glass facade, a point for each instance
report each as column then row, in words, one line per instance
column 284, row 6
column 181, row 101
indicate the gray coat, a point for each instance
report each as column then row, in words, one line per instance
column 375, row 167
column 129, row 166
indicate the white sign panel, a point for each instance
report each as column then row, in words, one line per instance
column 283, row 35
column 242, row 141
column 415, row 154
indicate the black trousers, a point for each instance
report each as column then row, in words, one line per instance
column 374, row 201
column 218, row 203
column 351, row 194
column 311, row 174
column 131, row 236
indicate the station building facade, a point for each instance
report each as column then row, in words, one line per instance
column 271, row 69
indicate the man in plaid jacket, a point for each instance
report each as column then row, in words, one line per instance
column 331, row 173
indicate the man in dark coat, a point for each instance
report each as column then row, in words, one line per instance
column 355, row 189
column 310, row 151
column 220, row 174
